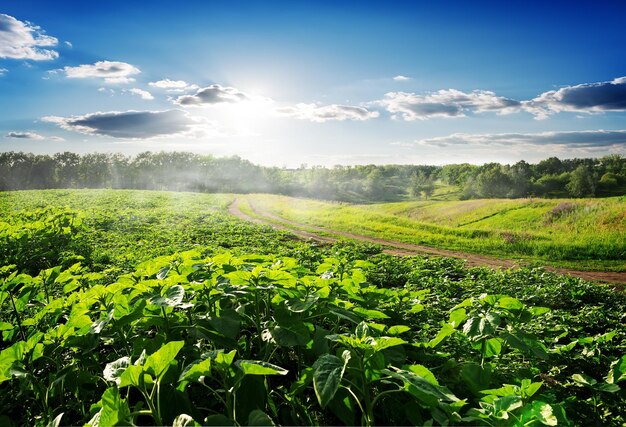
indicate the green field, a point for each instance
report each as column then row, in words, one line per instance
column 157, row 308
column 576, row 233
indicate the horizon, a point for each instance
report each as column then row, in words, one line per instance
column 305, row 165
column 282, row 84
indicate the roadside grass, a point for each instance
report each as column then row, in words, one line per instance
column 572, row 233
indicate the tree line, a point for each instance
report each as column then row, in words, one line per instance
column 183, row 171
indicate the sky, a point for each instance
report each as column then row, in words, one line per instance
column 318, row 82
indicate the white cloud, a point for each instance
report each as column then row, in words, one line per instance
column 3, row 71
column 144, row 94
column 582, row 98
column 572, row 139
column 110, row 71
column 25, row 135
column 446, row 103
column 173, row 85
column 323, row 113
column 23, row 40
column 211, row 95
column 68, row 44
column 401, row 78
column 134, row 124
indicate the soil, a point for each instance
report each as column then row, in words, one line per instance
column 408, row 249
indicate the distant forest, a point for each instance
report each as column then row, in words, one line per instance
column 182, row 171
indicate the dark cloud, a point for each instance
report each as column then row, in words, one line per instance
column 582, row 98
column 446, row 103
column 130, row 124
column 24, row 135
column 214, row 94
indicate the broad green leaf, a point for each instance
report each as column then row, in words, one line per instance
column 378, row 328
column 510, row 303
column 529, row 388
column 113, row 370
column 386, row 342
column 481, row 326
column 608, row 388
column 342, row 313
column 457, row 317
column 239, row 277
column 423, row 372
column 444, row 333
column 291, row 335
column 227, row 323
column 328, row 372
column 258, row 367
column 398, row 329
column 506, row 404
column 134, row 375
column 297, row 305
column 584, row 380
column 606, row 337
column 527, row 343
column 5, row 326
column 10, row 355
column 416, row 308
column 617, row 372
column 505, row 390
column 163, row 272
column 538, row 411
column 114, row 409
column 493, row 347
column 196, row 370
column 476, row 377
column 158, row 362
column 538, row 311
column 259, row 418
column 172, row 297
column 222, row 360
column 423, row 390
column 370, row 314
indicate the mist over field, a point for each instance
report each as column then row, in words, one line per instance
column 182, row 171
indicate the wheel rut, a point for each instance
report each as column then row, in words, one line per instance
column 406, row 249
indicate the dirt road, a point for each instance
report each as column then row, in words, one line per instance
column 401, row 248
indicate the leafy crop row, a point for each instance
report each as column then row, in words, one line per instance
column 298, row 335
column 255, row 339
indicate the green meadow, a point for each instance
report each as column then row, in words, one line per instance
column 580, row 233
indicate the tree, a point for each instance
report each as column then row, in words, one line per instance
column 520, row 174
column 421, row 183
column 492, row 182
column 581, row 183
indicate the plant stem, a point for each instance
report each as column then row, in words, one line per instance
column 17, row 317
column 153, row 411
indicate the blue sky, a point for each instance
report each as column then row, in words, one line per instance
column 317, row 83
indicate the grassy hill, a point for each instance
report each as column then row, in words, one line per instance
column 580, row 233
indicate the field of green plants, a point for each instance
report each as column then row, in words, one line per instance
column 156, row 308
column 585, row 234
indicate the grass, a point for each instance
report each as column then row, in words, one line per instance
column 573, row 233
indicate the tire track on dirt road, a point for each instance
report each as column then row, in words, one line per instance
column 406, row 249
